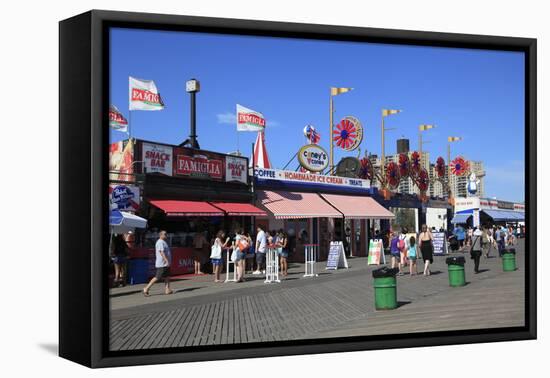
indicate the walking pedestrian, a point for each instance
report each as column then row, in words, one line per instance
column 500, row 236
column 261, row 244
column 403, row 247
column 240, row 246
column 475, row 249
column 282, row 243
column 485, row 241
column 119, row 256
column 163, row 260
column 394, row 251
column 460, row 235
column 426, row 248
column 216, row 257
column 411, row 254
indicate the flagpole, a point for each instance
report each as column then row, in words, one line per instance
column 331, row 110
column 129, row 124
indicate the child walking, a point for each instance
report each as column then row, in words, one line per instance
column 412, row 256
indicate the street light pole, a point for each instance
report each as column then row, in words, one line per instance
column 385, row 113
column 334, row 91
column 331, row 164
column 449, row 141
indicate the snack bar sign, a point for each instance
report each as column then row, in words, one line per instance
column 157, row 158
column 310, row 178
column 199, row 166
column 235, row 169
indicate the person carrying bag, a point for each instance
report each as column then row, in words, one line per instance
column 475, row 250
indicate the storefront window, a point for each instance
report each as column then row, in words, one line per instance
column 404, row 217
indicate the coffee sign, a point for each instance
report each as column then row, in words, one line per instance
column 313, row 158
column 199, row 166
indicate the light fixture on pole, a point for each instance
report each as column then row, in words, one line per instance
column 385, row 113
column 450, row 140
column 192, row 87
column 420, row 129
column 334, row 91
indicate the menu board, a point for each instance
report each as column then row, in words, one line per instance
column 336, row 256
column 376, row 252
column 439, row 243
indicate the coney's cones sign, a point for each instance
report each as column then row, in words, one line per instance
column 144, row 95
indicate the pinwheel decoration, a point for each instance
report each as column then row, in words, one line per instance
column 311, row 134
column 392, row 175
column 422, row 180
column 440, row 167
column 366, row 170
column 348, row 134
column 404, row 165
column 415, row 163
column 459, row 166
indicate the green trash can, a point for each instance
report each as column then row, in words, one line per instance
column 509, row 260
column 457, row 277
column 385, row 288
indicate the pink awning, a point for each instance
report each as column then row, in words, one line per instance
column 295, row 205
column 356, row 207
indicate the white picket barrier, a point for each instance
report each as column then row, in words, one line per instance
column 310, row 258
column 271, row 265
column 227, row 273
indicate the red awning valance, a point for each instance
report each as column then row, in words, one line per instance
column 239, row 209
column 187, row 208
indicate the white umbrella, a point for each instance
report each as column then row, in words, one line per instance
column 122, row 222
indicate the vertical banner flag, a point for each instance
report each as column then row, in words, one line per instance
column 249, row 120
column 144, row 95
column 117, row 120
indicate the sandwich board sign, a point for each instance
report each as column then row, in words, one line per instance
column 440, row 243
column 376, row 252
column 336, row 256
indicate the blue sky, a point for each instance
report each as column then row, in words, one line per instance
column 475, row 94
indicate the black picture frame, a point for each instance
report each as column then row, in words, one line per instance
column 83, row 162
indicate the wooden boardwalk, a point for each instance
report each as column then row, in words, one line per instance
column 331, row 305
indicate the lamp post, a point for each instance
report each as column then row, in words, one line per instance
column 420, row 129
column 334, row 91
column 385, row 113
column 450, row 140
column 192, row 87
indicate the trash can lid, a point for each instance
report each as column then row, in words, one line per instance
column 455, row 260
column 509, row 250
column 385, row 272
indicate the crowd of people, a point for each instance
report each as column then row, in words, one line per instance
column 240, row 245
column 405, row 248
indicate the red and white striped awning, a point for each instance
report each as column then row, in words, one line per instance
column 357, row 207
column 295, row 205
column 260, row 158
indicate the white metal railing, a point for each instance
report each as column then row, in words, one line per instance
column 271, row 265
column 310, row 258
column 227, row 272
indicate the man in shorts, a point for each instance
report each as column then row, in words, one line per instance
column 261, row 243
column 163, row 259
